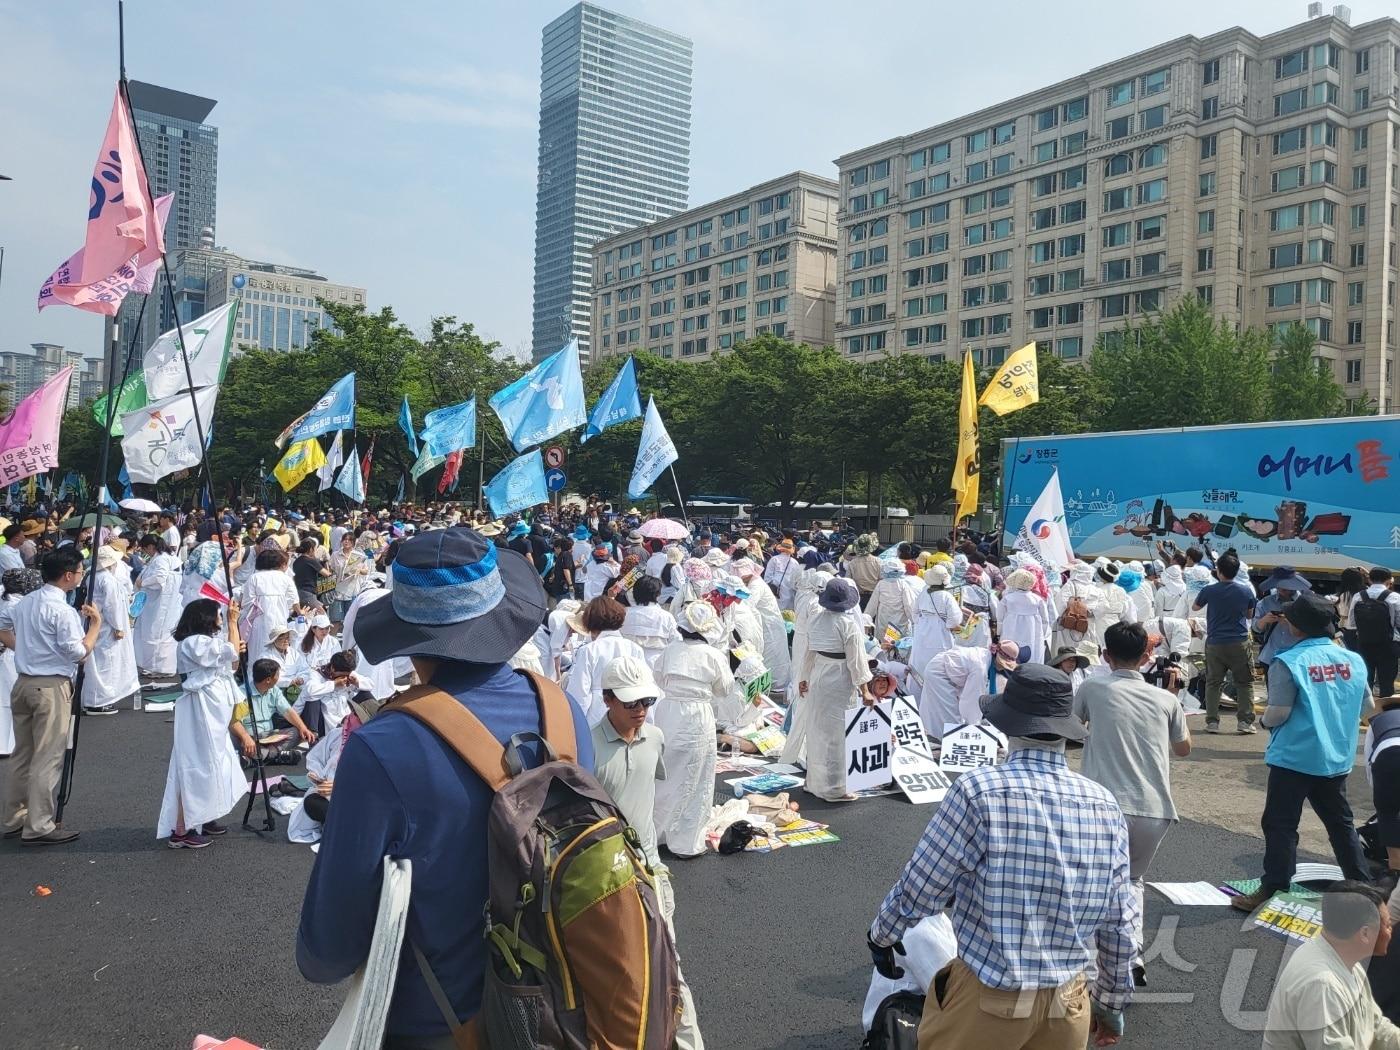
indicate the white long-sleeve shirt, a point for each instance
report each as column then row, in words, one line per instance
column 1319, row 1003
column 48, row 634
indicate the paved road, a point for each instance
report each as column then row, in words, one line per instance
column 142, row 946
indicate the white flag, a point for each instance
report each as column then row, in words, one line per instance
column 207, row 341
column 334, row 458
column 161, row 438
column 351, row 481
column 656, row 452
column 1044, row 535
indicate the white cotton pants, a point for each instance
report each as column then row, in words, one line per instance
column 1145, row 835
column 688, row 1031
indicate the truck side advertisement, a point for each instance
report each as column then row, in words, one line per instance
column 1318, row 495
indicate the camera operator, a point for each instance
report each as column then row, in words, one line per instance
column 1168, row 664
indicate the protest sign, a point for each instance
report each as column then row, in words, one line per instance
column 918, row 776
column 766, row 738
column 969, row 747
column 868, row 748
column 909, row 727
column 1291, row 916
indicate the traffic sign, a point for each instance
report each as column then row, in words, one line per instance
column 554, row 456
column 555, row 479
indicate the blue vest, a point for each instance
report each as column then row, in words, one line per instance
column 1320, row 735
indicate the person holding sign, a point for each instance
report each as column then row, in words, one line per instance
column 1034, row 858
column 833, row 674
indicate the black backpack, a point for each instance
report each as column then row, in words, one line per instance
column 1372, row 617
column 896, row 1023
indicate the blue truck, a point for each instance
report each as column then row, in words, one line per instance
column 1318, row 494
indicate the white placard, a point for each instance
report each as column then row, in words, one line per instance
column 1194, row 894
column 969, row 747
column 909, row 727
column 918, row 776
column 868, row 749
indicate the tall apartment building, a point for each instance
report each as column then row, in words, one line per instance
column 24, row 373
column 1258, row 173
column 763, row 260
column 181, row 153
column 278, row 308
column 614, row 153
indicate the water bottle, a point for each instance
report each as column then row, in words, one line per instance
column 137, row 703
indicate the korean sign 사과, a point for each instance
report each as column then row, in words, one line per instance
column 868, row 747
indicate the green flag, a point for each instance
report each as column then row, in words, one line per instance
column 131, row 397
column 426, row 462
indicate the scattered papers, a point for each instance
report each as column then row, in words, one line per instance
column 783, row 767
column 767, row 738
column 1244, row 887
column 798, row 833
column 1193, row 894
column 1317, row 873
column 1290, row 915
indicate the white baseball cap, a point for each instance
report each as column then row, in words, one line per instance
column 320, row 620
column 629, row 679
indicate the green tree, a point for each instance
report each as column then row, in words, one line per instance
column 1302, row 386
column 1180, row 367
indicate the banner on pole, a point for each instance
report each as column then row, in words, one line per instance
column 545, row 401
column 29, row 438
column 335, row 411
column 162, row 438
column 520, row 485
column 655, row 453
column 208, row 340
column 619, row 403
column 1043, row 533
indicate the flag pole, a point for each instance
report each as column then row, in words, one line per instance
column 684, row 516
column 269, row 823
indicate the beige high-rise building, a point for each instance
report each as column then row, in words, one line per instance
column 1259, row 173
column 763, row 260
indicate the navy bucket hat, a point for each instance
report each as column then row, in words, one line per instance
column 456, row 596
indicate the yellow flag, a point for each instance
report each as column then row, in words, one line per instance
column 301, row 459
column 966, row 470
column 1016, row 385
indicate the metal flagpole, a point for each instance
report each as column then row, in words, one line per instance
column 684, row 516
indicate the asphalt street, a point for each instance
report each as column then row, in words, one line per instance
column 142, row 946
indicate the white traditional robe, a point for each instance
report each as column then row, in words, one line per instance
column 154, row 643
column 937, row 616
column 832, row 690
column 380, row 676
column 652, row 628
column 775, row 637
column 268, row 598
column 954, row 683
column 204, row 775
column 693, row 677
column 322, row 760
column 1025, row 619
column 585, row 682
column 110, row 672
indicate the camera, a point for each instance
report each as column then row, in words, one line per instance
column 1165, row 672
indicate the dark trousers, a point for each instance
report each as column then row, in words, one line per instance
column 316, row 806
column 1381, row 666
column 1283, row 808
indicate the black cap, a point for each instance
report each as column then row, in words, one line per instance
column 1038, row 700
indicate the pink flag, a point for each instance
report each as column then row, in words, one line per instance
column 210, row 589
column 137, row 274
column 29, row 436
column 121, row 223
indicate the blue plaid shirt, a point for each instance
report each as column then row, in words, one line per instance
column 1034, row 859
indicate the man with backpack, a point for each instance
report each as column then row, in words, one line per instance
column 441, row 777
column 1376, row 613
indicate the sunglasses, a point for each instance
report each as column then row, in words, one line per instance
column 632, row 705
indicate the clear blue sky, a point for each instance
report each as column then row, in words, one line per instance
column 393, row 145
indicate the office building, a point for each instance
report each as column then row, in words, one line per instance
column 1258, row 173
column 24, row 373
column 763, row 260
column 614, row 153
column 181, row 153
column 278, row 308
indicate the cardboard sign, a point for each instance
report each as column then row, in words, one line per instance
column 918, row 776
column 909, row 727
column 768, row 739
column 761, row 684
column 1291, row 916
column 868, row 747
column 969, row 747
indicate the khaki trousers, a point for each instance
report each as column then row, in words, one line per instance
column 40, row 706
column 972, row 1016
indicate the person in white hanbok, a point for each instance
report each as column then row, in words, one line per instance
column 782, row 573
column 891, row 602
column 598, row 575
column 325, row 701
column 1080, row 586
column 741, row 631
column 316, row 648
column 804, row 607
column 937, row 615
column 1117, row 605
column 956, row 680
column 306, row 821
column 601, row 619
column 833, row 679
column 1023, row 615
column 205, row 564
column 17, row 583
column 160, row 583
column 693, row 677
column 1142, row 596
column 204, row 780
column 109, row 676
column 269, row 597
column 1171, row 594
column 648, row 624
column 775, row 633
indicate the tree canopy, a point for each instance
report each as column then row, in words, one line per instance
column 771, row 421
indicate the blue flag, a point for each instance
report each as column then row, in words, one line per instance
column 351, row 481
column 619, row 403
column 520, row 485
column 655, row 453
column 124, row 479
column 335, row 411
column 545, row 401
column 398, row 496
column 406, row 425
column 451, row 429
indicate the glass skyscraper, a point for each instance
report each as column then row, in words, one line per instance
column 182, row 157
column 614, row 153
